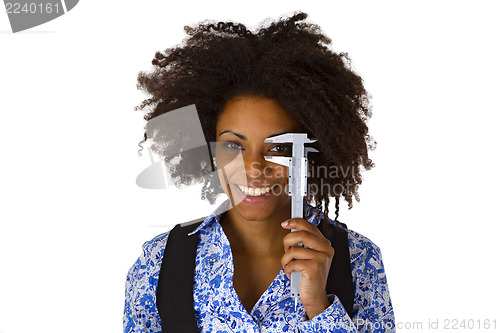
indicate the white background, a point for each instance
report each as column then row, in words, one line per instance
column 72, row 220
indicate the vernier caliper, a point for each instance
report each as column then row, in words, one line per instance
column 297, row 184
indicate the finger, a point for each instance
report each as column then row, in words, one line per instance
column 303, row 254
column 312, row 241
column 307, row 268
column 296, row 253
column 301, row 224
column 294, row 266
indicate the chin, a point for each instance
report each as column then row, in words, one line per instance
column 252, row 214
column 259, row 209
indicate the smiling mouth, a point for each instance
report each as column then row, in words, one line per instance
column 254, row 191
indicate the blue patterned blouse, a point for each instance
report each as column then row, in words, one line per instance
column 219, row 310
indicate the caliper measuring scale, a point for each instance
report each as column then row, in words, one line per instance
column 297, row 185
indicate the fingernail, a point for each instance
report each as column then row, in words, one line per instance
column 284, row 224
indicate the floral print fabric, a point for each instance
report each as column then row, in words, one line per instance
column 218, row 308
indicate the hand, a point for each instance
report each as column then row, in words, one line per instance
column 312, row 262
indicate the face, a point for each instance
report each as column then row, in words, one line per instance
column 255, row 186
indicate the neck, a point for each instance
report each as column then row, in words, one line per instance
column 256, row 238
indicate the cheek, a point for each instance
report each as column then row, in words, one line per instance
column 222, row 179
column 229, row 163
column 227, row 172
column 277, row 172
column 224, row 157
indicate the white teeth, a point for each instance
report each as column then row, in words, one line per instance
column 254, row 192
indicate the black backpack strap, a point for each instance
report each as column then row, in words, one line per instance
column 340, row 277
column 174, row 295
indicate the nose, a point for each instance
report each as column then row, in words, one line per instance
column 256, row 167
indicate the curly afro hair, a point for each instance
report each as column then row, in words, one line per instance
column 288, row 61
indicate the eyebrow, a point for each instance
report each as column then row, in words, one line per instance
column 242, row 137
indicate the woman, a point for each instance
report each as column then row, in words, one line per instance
column 248, row 87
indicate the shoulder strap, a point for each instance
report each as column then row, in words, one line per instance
column 176, row 282
column 174, row 295
column 340, row 277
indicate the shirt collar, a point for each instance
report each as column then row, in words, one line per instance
column 215, row 216
column 311, row 214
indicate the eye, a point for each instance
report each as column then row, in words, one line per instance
column 231, row 145
column 282, row 149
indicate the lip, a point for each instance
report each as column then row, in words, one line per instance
column 255, row 186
